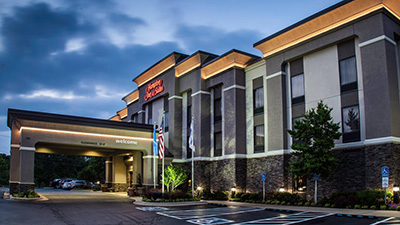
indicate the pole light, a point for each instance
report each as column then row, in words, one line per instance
column 199, row 188
column 233, row 189
column 396, row 188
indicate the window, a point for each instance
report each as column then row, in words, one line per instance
column 258, row 100
column 348, row 74
column 188, row 150
column 297, row 84
column 295, row 140
column 150, row 121
column 189, row 116
column 218, row 144
column 259, row 139
column 166, row 120
column 217, row 110
column 351, row 124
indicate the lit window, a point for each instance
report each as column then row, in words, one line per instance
column 259, row 139
column 297, row 84
column 258, row 100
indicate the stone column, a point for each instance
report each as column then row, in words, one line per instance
column 108, row 168
column 26, row 169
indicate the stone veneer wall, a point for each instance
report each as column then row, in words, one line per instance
column 273, row 166
column 360, row 169
column 120, row 187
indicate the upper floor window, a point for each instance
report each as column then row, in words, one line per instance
column 217, row 110
column 189, row 116
column 297, row 84
column 134, row 118
column 351, row 123
column 348, row 74
column 258, row 100
column 259, row 139
column 166, row 120
column 218, row 144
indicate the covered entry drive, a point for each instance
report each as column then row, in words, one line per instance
column 127, row 147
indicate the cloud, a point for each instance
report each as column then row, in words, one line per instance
column 54, row 94
column 75, row 45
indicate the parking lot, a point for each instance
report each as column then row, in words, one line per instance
column 87, row 207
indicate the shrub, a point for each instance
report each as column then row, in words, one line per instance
column 313, row 204
column 357, row 206
column 283, row 202
column 96, row 188
column 268, row 201
column 333, row 206
column 221, row 195
column 364, row 207
column 373, row 207
column 383, row 207
column 398, row 208
column 369, row 197
column 344, row 199
column 307, row 204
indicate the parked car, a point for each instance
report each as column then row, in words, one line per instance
column 68, row 185
column 55, row 183
column 64, row 180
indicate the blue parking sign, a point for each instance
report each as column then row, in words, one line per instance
column 385, row 171
column 263, row 177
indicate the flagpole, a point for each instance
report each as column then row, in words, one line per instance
column 192, row 126
column 163, row 119
column 154, row 162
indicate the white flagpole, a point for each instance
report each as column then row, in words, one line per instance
column 192, row 130
column 154, row 163
column 163, row 119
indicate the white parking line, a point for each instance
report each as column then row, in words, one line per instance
column 382, row 221
column 289, row 219
column 201, row 213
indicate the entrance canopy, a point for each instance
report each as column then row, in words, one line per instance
column 37, row 132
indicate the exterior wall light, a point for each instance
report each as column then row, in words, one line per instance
column 233, row 189
column 281, row 189
column 396, row 188
column 199, row 188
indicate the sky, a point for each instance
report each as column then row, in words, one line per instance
column 78, row 57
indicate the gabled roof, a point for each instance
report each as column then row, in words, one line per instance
column 324, row 21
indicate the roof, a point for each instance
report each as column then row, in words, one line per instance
column 322, row 22
column 159, row 67
column 193, row 61
column 17, row 114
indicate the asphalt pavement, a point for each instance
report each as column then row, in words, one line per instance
column 88, row 207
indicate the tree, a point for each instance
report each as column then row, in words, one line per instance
column 174, row 176
column 4, row 169
column 315, row 136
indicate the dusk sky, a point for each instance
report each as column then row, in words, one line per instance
column 79, row 57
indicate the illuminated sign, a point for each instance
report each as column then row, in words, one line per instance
column 154, row 89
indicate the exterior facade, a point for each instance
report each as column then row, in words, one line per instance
column 242, row 105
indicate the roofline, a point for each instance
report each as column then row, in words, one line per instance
column 197, row 52
column 333, row 7
column 229, row 52
column 129, row 94
column 172, row 53
column 75, row 120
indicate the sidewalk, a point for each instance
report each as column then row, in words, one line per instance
column 362, row 212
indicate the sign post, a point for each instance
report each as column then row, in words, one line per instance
column 315, row 177
column 385, row 179
column 263, row 179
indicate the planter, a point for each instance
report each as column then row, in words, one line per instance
column 140, row 190
column 104, row 189
column 131, row 192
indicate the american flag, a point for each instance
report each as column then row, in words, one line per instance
column 161, row 146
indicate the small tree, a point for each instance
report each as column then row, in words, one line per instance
column 314, row 138
column 174, row 176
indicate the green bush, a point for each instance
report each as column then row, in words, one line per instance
column 96, row 188
column 333, row 206
column 307, row 204
column 373, row 207
column 364, row 207
column 357, row 206
column 283, row 202
column 343, row 199
column 327, row 205
column 268, row 201
column 313, row 204
column 398, row 208
column 371, row 197
column 383, row 207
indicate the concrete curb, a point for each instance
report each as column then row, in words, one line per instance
column 169, row 204
column 40, row 199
